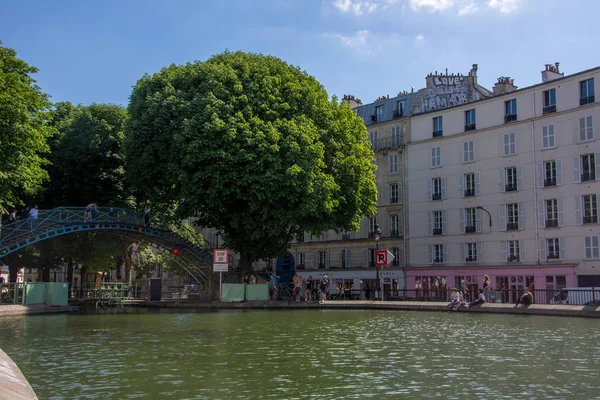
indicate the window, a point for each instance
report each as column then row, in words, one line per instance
column 373, row 139
column 590, row 209
column 510, row 144
column 394, row 225
column 322, row 259
column 399, row 111
column 550, row 173
column 510, row 110
column 437, row 253
column 549, row 101
column 586, row 92
column 301, row 259
column 394, row 193
column 438, row 222
column 346, row 235
column 468, row 153
column 551, row 213
column 553, row 249
column 396, row 253
column 471, row 252
column 379, row 113
column 586, row 128
column 393, row 161
column 470, row 120
column 395, row 136
column 588, row 167
column 437, row 127
column 437, row 189
column 436, row 157
column 373, row 225
column 469, row 181
column 591, row 247
column 548, row 137
column 511, row 179
column 512, row 211
column 345, row 258
column 471, row 220
column 513, row 251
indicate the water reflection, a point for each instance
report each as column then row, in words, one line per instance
column 303, row 354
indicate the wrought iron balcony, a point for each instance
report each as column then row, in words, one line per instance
column 471, row 259
column 437, row 231
column 551, row 223
column 394, row 233
column 550, row 182
column 387, row 143
column 470, row 127
column 549, row 109
column 588, row 176
column 590, row 219
column 553, row 256
column 469, row 192
column 438, row 133
column 510, row 187
column 586, row 100
column 438, row 260
column 510, row 118
column 436, row 196
column 512, row 226
column 470, row 229
column 397, row 113
column 513, row 259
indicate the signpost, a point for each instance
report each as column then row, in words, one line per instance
column 382, row 259
column 220, row 265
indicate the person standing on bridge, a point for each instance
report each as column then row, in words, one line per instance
column 88, row 215
column 147, row 215
column 33, row 213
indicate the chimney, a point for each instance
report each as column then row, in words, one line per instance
column 504, row 85
column 551, row 73
column 351, row 101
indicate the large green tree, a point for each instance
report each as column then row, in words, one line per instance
column 251, row 146
column 24, row 129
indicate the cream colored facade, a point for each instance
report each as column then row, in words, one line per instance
column 550, row 219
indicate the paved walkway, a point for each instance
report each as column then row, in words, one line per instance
column 18, row 309
column 13, row 385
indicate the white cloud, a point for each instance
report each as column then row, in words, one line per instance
column 504, row 6
column 468, row 8
column 359, row 42
column 419, row 39
column 357, row 7
column 431, row 5
column 367, row 43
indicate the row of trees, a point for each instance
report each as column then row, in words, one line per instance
column 244, row 143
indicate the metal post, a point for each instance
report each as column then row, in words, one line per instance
column 220, row 286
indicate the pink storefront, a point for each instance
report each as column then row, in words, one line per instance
column 507, row 282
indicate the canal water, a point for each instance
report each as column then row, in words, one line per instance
column 316, row 354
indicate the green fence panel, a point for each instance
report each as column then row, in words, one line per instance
column 232, row 292
column 57, row 294
column 257, row 292
column 35, row 293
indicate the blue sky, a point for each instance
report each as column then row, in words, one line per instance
column 95, row 51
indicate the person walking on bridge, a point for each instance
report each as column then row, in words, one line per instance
column 88, row 215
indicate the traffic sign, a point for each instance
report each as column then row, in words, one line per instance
column 383, row 258
column 220, row 260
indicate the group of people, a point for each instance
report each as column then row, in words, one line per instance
column 13, row 215
column 308, row 289
column 461, row 297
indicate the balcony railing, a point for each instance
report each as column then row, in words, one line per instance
column 387, row 143
column 510, row 118
column 553, row 256
column 438, row 133
column 397, row 113
column 470, row 127
column 551, row 223
column 394, row 200
column 588, row 176
column 346, row 236
column 510, row 187
column 549, row 109
column 469, row 192
column 550, row 182
column 471, row 259
column 586, row 100
column 512, row 226
column 590, row 219
column 513, row 259
column 437, row 231
column 438, row 260
column 394, row 233
column 436, row 196
column 470, row 229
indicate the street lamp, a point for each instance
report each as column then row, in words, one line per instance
column 488, row 213
column 377, row 235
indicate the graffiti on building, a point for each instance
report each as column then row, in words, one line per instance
column 443, row 91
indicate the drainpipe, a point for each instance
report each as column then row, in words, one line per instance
column 405, row 236
column 535, row 203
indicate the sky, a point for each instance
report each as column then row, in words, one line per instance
column 95, row 51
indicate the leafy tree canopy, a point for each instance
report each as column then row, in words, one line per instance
column 251, row 146
column 24, row 113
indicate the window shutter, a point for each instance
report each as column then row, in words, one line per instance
column 502, row 217
column 477, row 185
column 559, row 172
column 478, row 221
column 561, row 212
column 551, row 137
column 544, row 137
column 463, row 254
column 503, row 251
column 562, row 249
column 461, row 185
column 519, row 177
column 401, row 224
column 465, row 152
column 479, row 252
column 598, row 206
column 540, row 174
column 506, row 144
column 522, row 250
column 576, row 169
column 581, row 129
column 400, row 193
column 597, row 159
column 366, row 227
column 590, row 127
column 461, row 219
column 541, row 214
column 502, row 172
column 429, row 184
column 430, row 254
column 430, row 223
column 521, row 213
column 578, row 214
column 445, row 254
column 542, row 250
column 328, row 261
column 316, row 260
column 444, row 223
column 443, row 187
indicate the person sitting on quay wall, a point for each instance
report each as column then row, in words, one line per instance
column 526, row 298
column 455, row 299
column 479, row 301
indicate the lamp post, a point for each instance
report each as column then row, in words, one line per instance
column 377, row 235
column 488, row 213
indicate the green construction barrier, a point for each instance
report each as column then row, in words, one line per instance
column 257, row 292
column 232, row 292
column 35, row 293
column 57, row 294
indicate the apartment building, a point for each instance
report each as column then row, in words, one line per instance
column 507, row 186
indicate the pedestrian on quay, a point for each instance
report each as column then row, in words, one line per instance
column 297, row 282
column 309, row 283
column 324, row 288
